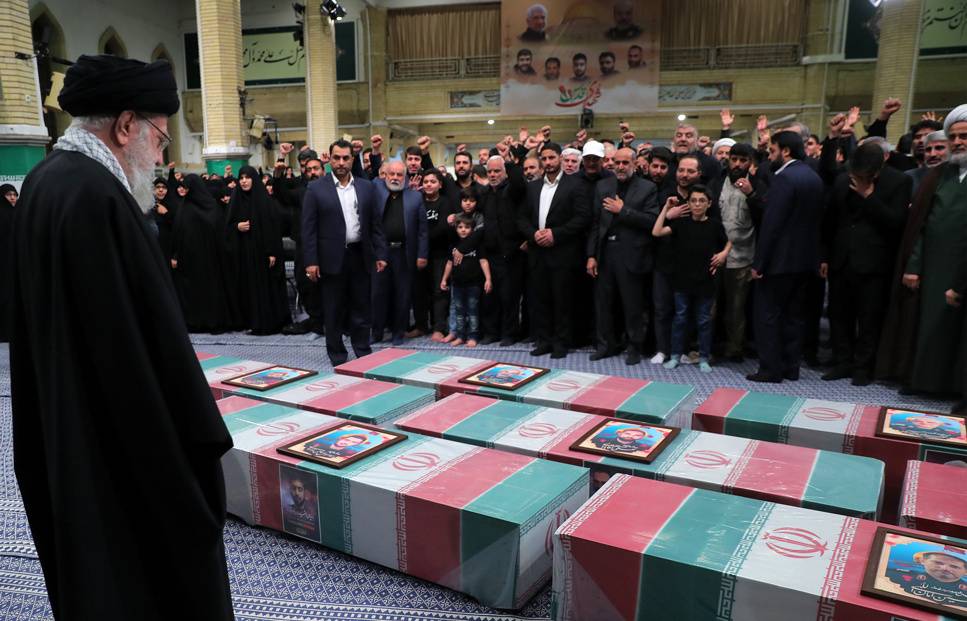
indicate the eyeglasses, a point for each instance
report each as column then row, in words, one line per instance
column 165, row 138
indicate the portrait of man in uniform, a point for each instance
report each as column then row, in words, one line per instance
column 265, row 379
column 925, row 426
column 626, row 439
column 918, row 570
column 342, row 445
column 300, row 502
column 506, row 376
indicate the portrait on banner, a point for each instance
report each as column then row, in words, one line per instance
column 561, row 56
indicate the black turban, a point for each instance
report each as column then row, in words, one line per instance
column 105, row 84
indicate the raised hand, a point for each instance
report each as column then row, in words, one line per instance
column 424, row 143
column 852, row 116
column 461, row 147
column 532, row 142
column 890, row 107
column 357, row 146
column 581, row 136
column 523, row 135
column 286, row 148
column 836, row 125
column 376, row 142
column 727, row 118
column 762, row 123
column 546, row 132
column 627, row 138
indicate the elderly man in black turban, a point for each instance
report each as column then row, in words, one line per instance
column 117, row 441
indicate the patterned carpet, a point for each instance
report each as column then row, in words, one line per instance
column 275, row 577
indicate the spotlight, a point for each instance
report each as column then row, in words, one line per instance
column 490, row 121
column 682, row 117
column 333, row 9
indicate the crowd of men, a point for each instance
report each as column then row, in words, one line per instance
column 706, row 249
column 666, row 242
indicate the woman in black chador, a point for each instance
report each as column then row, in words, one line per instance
column 256, row 265
column 198, row 268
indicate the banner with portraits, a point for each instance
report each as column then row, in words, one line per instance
column 561, row 56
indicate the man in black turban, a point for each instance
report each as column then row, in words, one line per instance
column 117, row 440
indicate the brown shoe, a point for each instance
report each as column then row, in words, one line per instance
column 414, row 333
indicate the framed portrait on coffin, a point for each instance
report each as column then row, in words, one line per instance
column 918, row 570
column 269, row 377
column 339, row 446
column 926, row 427
column 504, row 376
column 626, row 439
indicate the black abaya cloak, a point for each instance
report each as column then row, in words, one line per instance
column 195, row 246
column 6, row 241
column 117, row 440
column 260, row 289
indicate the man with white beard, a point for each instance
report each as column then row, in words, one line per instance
column 117, row 440
column 920, row 339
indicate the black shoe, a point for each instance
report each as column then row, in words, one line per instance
column 861, row 378
column 506, row 342
column 487, row 340
column 736, row 358
column 959, row 408
column 812, row 361
column 906, row 391
column 541, row 350
column 559, row 353
column 791, row 375
column 632, row 358
column 318, row 327
column 601, row 355
column 837, row 373
column 295, row 328
column 759, row 376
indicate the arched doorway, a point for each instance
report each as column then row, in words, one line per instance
column 172, row 152
column 48, row 38
column 111, row 43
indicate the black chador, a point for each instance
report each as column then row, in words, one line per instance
column 255, row 267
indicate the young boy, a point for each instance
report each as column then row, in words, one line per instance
column 700, row 247
column 468, row 276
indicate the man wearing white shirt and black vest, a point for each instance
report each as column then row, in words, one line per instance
column 343, row 244
column 554, row 220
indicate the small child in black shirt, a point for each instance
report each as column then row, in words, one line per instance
column 468, row 278
column 700, row 247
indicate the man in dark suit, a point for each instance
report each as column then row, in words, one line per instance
column 861, row 237
column 500, row 311
column 554, row 220
column 619, row 254
column 344, row 242
column 403, row 218
column 787, row 255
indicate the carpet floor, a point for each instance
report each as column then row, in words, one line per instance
column 275, row 577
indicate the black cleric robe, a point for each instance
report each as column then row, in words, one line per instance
column 117, row 440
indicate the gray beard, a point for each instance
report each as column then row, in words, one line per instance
column 394, row 187
column 959, row 160
column 140, row 172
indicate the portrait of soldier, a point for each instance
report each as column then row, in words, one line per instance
column 938, row 576
column 625, row 440
column 925, row 427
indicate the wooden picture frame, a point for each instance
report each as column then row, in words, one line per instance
column 246, row 380
column 491, row 377
column 329, row 449
column 604, row 439
column 896, row 571
column 894, row 423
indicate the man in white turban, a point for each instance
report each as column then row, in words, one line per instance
column 926, row 310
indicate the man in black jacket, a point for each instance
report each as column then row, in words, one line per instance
column 861, row 233
column 619, row 254
column 553, row 220
column 503, row 245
